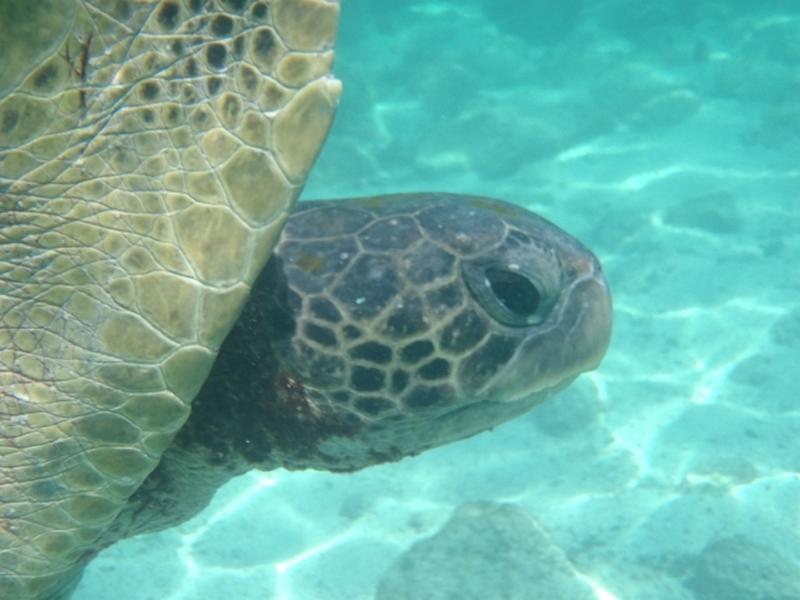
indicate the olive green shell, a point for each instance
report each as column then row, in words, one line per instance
column 149, row 154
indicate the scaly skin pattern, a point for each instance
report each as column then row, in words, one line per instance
column 150, row 151
column 382, row 327
column 409, row 321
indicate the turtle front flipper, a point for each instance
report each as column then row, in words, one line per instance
column 149, row 154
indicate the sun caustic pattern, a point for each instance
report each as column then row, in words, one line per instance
column 664, row 136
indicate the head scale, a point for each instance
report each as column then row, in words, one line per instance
column 402, row 323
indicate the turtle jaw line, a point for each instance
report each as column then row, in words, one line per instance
column 541, row 389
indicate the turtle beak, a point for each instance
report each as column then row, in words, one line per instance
column 591, row 334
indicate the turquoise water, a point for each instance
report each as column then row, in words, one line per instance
column 666, row 136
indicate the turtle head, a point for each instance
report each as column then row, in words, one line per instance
column 403, row 323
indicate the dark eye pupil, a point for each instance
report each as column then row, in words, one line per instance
column 516, row 292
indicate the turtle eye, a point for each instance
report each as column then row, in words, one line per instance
column 512, row 297
column 514, row 291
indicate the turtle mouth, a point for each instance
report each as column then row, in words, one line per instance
column 482, row 415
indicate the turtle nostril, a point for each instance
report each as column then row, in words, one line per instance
column 516, row 292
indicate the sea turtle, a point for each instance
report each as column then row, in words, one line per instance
column 150, row 154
